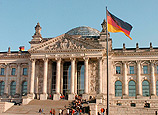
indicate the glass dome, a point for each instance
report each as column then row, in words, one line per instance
column 84, row 31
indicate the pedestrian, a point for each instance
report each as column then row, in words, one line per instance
column 51, row 111
column 102, row 111
column 98, row 113
column 68, row 111
column 73, row 111
column 60, row 112
column 40, row 110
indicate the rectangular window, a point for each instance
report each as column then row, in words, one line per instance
column 118, row 70
column 13, row 71
column 2, row 71
column 145, row 69
column 131, row 69
column 24, row 71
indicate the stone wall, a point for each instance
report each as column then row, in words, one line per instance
column 93, row 77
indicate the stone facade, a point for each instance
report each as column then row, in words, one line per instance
column 51, row 69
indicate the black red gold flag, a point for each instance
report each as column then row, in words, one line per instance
column 117, row 25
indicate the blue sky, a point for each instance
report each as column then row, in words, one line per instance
column 19, row 17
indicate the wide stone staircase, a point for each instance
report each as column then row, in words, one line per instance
column 33, row 107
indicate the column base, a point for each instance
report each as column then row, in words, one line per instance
column 153, row 97
column 56, row 97
column 43, row 96
column 5, row 95
column 125, row 97
column 28, row 98
column 85, row 96
column 31, row 95
column 71, row 97
column 99, row 99
column 139, row 96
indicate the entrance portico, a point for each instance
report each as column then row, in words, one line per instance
column 63, row 65
column 72, row 81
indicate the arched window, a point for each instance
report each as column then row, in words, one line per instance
column 145, row 88
column 157, row 88
column 132, row 88
column 12, row 88
column 24, row 88
column 118, row 88
column 2, row 88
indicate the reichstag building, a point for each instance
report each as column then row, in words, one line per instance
column 75, row 63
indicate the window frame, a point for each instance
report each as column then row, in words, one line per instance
column 23, row 73
column 118, row 92
column 13, row 72
column 144, row 89
column 118, row 71
column 12, row 88
column 3, row 71
column 24, row 88
column 131, row 71
column 2, row 86
column 132, row 89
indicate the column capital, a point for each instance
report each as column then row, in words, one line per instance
column 124, row 62
column 72, row 58
column 86, row 58
column 45, row 59
column 32, row 59
column 7, row 64
column 19, row 64
column 138, row 61
column 58, row 59
column 99, row 58
column 152, row 62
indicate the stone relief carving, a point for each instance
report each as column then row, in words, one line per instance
column 65, row 44
column 93, row 75
column 40, row 77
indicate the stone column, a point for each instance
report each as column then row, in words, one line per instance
column 29, row 77
column 32, row 81
column 75, row 78
column 61, row 78
column 6, row 80
column 100, row 76
column 72, row 85
column 138, row 83
column 49, row 77
column 57, row 95
column 18, row 79
column 44, row 95
column 86, row 95
column 36, row 84
column 153, row 81
column 125, row 83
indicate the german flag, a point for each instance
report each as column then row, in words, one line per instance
column 117, row 25
column 21, row 48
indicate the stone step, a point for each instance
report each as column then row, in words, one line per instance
column 34, row 106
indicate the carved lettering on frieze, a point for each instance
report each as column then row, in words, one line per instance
column 65, row 44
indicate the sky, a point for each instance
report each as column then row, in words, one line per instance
column 19, row 17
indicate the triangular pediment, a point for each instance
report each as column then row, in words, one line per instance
column 63, row 43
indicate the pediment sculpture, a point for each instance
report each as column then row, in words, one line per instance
column 65, row 44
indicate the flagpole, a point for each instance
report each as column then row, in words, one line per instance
column 107, row 53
